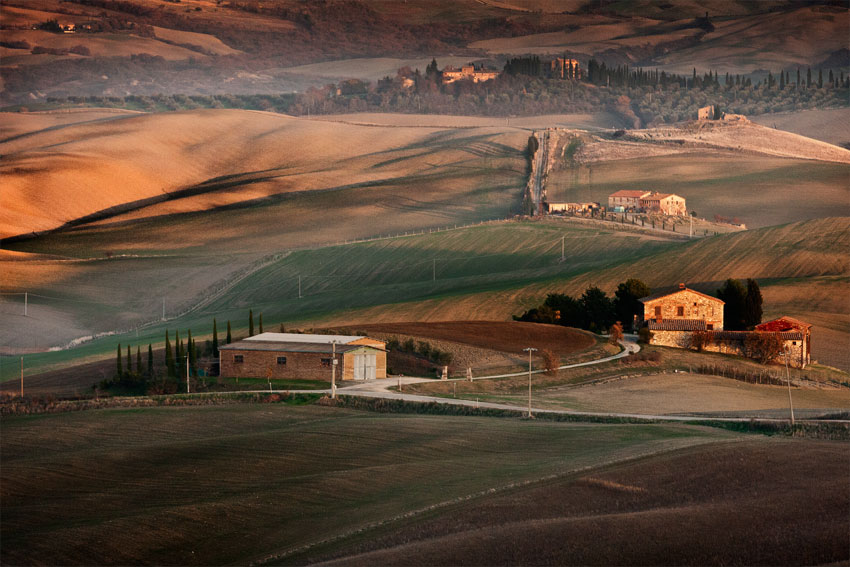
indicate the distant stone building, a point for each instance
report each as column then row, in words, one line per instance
column 297, row 356
column 705, row 113
column 565, row 68
column 452, row 74
column 572, row 208
column 628, row 199
column 665, row 203
column 647, row 201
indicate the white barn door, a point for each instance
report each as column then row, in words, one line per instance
column 359, row 366
column 370, row 366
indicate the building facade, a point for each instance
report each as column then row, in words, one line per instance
column 665, row 203
column 306, row 357
column 565, row 68
column 683, row 310
column 628, row 199
column 572, row 208
column 796, row 338
column 452, row 74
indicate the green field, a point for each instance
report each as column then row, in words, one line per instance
column 240, row 483
column 333, row 279
column 758, row 190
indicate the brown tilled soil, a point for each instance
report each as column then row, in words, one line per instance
column 505, row 336
column 759, row 502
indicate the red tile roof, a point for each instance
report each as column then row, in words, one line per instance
column 783, row 324
column 629, row 193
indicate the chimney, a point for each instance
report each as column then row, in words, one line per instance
column 681, row 286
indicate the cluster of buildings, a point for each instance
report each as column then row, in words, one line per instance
column 477, row 75
column 674, row 318
column 627, row 200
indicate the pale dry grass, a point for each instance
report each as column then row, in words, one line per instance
column 573, row 121
column 829, row 125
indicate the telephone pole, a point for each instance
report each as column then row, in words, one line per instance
column 187, row 373
column 530, row 350
column 299, row 287
column 563, row 257
column 333, row 370
column 788, row 380
column 434, row 271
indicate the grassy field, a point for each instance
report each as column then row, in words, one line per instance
column 356, row 275
column 759, row 190
column 826, row 125
column 705, row 506
column 234, row 484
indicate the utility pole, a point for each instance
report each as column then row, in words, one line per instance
column 299, row 287
column 530, row 350
column 788, row 380
column 434, row 271
column 187, row 373
column 562, row 250
column 163, row 309
column 691, row 235
column 333, row 370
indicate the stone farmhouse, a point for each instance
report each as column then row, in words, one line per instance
column 706, row 113
column 647, row 201
column 309, row 357
column 675, row 319
column 452, row 74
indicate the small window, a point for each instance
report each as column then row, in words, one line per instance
column 695, row 303
column 326, row 362
column 709, row 326
column 657, row 311
column 238, row 358
column 680, row 311
column 794, row 343
column 281, row 360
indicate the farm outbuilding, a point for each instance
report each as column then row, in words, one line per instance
column 302, row 356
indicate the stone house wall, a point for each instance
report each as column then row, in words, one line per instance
column 693, row 306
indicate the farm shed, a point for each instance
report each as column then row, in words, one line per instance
column 796, row 338
column 310, row 357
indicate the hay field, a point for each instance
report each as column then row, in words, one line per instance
column 14, row 124
column 711, row 505
column 829, row 125
column 686, row 394
column 761, row 191
column 241, row 483
column 221, row 157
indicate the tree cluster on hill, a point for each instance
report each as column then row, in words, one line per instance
column 594, row 310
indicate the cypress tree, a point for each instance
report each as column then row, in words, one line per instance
column 753, row 304
column 178, row 355
column 215, row 339
column 169, row 357
column 820, row 78
column 119, row 369
column 150, row 361
column 809, row 78
column 781, row 81
column 798, row 77
column 261, row 323
column 138, row 360
column 191, row 346
column 228, row 339
column 734, row 294
column 250, row 322
column 129, row 361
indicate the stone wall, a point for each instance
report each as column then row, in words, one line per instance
column 682, row 339
column 256, row 364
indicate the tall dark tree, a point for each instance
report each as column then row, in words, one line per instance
column 261, row 323
column 138, row 360
column 215, row 339
column 781, row 81
column 566, row 310
column 809, row 78
column 752, row 304
column 627, row 303
column 178, row 354
column 228, row 339
column 599, row 309
column 190, row 345
column 820, row 78
column 119, row 369
column 250, row 322
column 149, row 372
column 169, row 357
column 734, row 294
column 129, row 361
column 798, row 78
